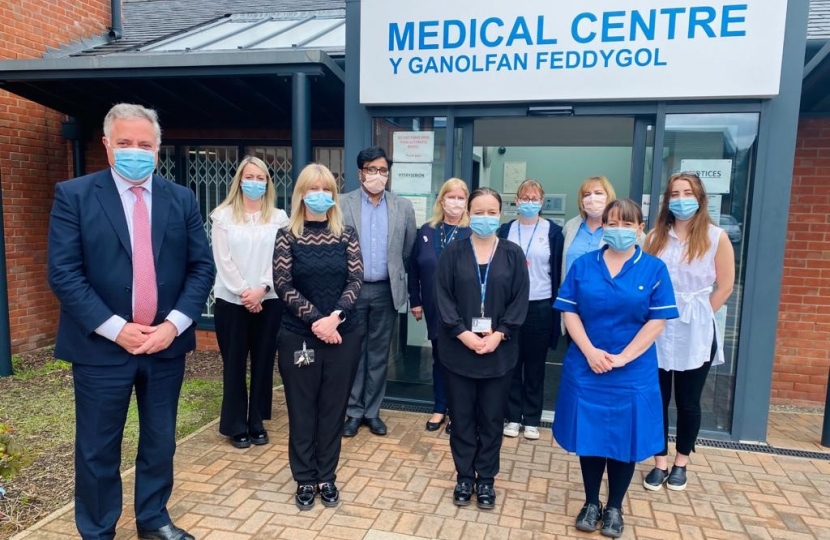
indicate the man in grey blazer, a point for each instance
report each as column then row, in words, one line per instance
column 386, row 226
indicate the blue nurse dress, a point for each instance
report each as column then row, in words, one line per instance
column 617, row 414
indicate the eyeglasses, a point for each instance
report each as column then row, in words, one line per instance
column 528, row 200
column 383, row 171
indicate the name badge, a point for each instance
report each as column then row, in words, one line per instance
column 482, row 325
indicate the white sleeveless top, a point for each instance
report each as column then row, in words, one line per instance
column 686, row 343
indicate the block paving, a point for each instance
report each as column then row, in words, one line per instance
column 399, row 487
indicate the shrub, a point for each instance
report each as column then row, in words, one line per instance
column 11, row 454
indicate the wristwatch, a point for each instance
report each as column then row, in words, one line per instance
column 340, row 314
column 267, row 288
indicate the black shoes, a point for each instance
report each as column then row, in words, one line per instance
column 448, row 429
column 259, row 436
column 485, row 497
column 168, row 532
column 612, row 522
column 351, row 426
column 588, row 517
column 462, row 495
column 304, row 499
column 376, row 426
column 435, row 426
column 241, row 440
column 655, row 479
column 329, row 495
column 677, row 478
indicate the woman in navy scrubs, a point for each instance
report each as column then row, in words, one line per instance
column 615, row 301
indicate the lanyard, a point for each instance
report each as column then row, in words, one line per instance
column 519, row 227
column 483, row 284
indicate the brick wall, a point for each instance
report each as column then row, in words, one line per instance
column 802, row 355
column 34, row 156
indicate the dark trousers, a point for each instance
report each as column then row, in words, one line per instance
column 316, row 397
column 688, row 389
column 102, row 397
column 524, row 405
column 620, row 474
column 438, row 390
column 477, row 408
column 240, row 332
column 377, row 314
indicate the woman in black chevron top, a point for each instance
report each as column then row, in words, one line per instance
column 318, row 273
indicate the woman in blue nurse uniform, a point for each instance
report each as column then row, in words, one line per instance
column 615, row 301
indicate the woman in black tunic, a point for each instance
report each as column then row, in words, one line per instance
column 482, row 297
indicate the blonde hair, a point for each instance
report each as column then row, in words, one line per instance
column 311, row 174
column 529, row 184
column 698, row 240
column 235, row 200
column 603, row 181
column 438, row 208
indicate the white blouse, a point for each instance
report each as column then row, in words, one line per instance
column 244, row 252
column 686, row 343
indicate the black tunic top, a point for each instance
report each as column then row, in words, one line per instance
column 458, row 299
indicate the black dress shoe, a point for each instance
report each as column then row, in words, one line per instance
column 462, row 495
column 376, row 425
column 329, row 495
column 304, row 499
column 351, row 426
column 612, row 523
column 448, row 429
column 259, row 436
column 168, row 532
column 485, row 497
column 435, row 426
column 588, row 517
column 241, row 440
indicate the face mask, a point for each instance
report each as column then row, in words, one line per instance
column 318, row 202
column 619, row 238
column 453, row 208
column 484, row 226
column 253, row 189
column 374, row 183
column 683, row 209
column 530, row 209
column 594, row 205
column 134, row 164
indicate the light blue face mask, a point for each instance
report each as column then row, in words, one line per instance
column 134, row 164
column 318, row 202
column 254, row 189
column 619, row 238
column 530, row 209
column 683, row 209
column 484, row 226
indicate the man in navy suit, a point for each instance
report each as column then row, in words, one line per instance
column 130, row 263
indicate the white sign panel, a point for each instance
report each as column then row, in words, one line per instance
column 714, row 203
column 412, row 178
column 413, row 146
column 514, row 174
column 420, row 204
column 486, row 51
column 716, row 174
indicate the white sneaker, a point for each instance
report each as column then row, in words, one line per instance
column 531, row 432
column 512, row 429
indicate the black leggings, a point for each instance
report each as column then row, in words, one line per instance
column 620, row 474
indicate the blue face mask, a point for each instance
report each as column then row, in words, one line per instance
column 318, row 202
column 529, row 210
column 619, row 238
column 134, row 164
column 254, row 189
column 484, row 226
column 683, row 209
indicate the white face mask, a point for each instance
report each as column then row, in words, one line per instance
column 594, row 204
column 453, row 208
column 374, row 183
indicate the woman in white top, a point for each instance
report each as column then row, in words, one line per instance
column 247, row 313
column 701, row 263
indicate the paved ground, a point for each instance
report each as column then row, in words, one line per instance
column 399, row 487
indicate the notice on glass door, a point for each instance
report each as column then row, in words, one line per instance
column 716, row 174
column 412, row 178
column 514, row 174
column 413, row 146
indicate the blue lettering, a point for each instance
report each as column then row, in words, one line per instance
column 400, row 42
column 593, row 59
column 490, row 59
column 395, row 65
column 504, row 63
column 728, row 19
column 639, row 60
column 624, row 57
column 416, row 65
column 541, row 59
column 519, row 31
column 575, row 28
column 462, row 33
column 608, row 25
column 473, row 23
column 572, row 60
column 709, row 16
column 446, row 64
column 637, row 21
column 540, row 33
column 462, row 64
column 484, row 39
column 556, row 60
column 606, row 56
column 657, row 61
column 424, row 34
column 672, row 13
column 432, row 65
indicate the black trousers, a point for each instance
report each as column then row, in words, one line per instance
column 524, row 405
column 477, row 408
column 688, row 389
column 240, row 332
column 316, row 396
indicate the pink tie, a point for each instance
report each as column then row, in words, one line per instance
column 144, row 269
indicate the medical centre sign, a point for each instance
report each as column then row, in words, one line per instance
column 489, row 51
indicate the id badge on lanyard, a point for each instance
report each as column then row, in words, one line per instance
column 482, row 325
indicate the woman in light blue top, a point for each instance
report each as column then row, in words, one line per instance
column 583, row 233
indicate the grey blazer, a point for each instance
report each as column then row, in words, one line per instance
column 400, row 238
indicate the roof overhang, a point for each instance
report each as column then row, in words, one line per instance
column 815, row 89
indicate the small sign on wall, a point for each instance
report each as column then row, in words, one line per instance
column 413, row 146
column 716, row 174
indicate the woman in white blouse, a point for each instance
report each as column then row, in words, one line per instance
column 701, row 263
column 247, row 313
